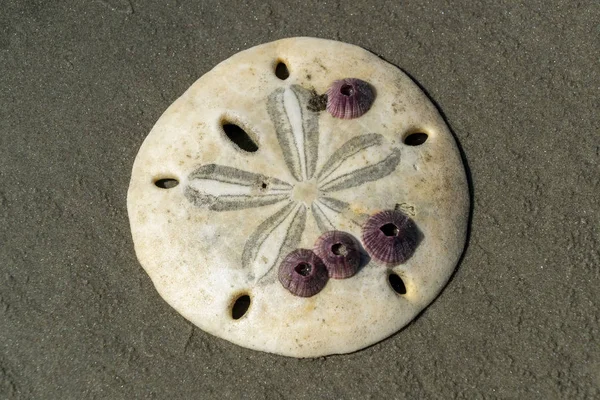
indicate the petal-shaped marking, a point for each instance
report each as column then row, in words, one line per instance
column 281, row 232
column 222, row 188
column 347, row 150
column 366, row 174
column 336, row 211
column 310, row 127
column 262, row 232
column 276, row 109
column 223, row 173
column 297, row 129
column 321, row 218
column 293, row 234
column 228, row 202
column 334, row 204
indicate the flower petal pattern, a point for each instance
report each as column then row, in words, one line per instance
column 297, row 129
column 223, row 173
column 223, row 188
column 340, row 209
column 365, row 174
column 292, row 218
column 348, row 149
column 323, row 221
column 361, row 159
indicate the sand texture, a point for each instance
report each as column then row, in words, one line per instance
column 83, row 83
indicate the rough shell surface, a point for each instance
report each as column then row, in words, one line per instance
column 390, row 237
column 349, row 98
column 303, row 273
column 340, row 253
column 224, row 229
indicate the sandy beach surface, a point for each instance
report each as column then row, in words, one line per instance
column 83, row 82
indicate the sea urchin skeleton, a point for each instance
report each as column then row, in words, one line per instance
column 248, row 167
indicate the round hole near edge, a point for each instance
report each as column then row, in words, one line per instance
column 166, row 183
column 240, row 306
column 416, row 139
column 397, row 283
column 281, row 70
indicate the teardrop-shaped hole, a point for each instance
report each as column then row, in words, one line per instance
column 166, row 183
column 397, row 283
column 239, row 137
column 240, row 306
column 281, row 71
column 416, row 139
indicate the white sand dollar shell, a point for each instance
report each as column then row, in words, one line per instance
column 221, row 232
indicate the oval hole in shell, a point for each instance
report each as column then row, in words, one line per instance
column 281, row 70
column 240, row 306
column 397, row 283
column 166, row 183
column 416, row 139
column 239, row 137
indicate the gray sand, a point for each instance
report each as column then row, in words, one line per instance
column 82, row 83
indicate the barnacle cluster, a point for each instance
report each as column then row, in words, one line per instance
column 390, row 238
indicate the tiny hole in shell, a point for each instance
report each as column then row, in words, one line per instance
column 166, row 183
column 264, row 185
column 239, row 137
column 281, row 71
column 389, row 230
column 339, row 249
column 347, row 90
column 397, row 284
column 303, row 269
column 240, row 307
column 415, row 139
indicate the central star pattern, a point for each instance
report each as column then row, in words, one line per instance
column 222, row 188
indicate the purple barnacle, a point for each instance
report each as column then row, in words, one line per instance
column 390, row 237
column 303, row 273
column 349, row 98
column 340, row 253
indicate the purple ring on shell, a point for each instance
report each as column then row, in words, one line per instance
column 303, row 273
column 390, row 237
column 340, row 253
column 349, row 98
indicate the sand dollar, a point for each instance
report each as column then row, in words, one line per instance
column 248, row 166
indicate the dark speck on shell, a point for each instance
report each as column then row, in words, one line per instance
column 317, row 103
